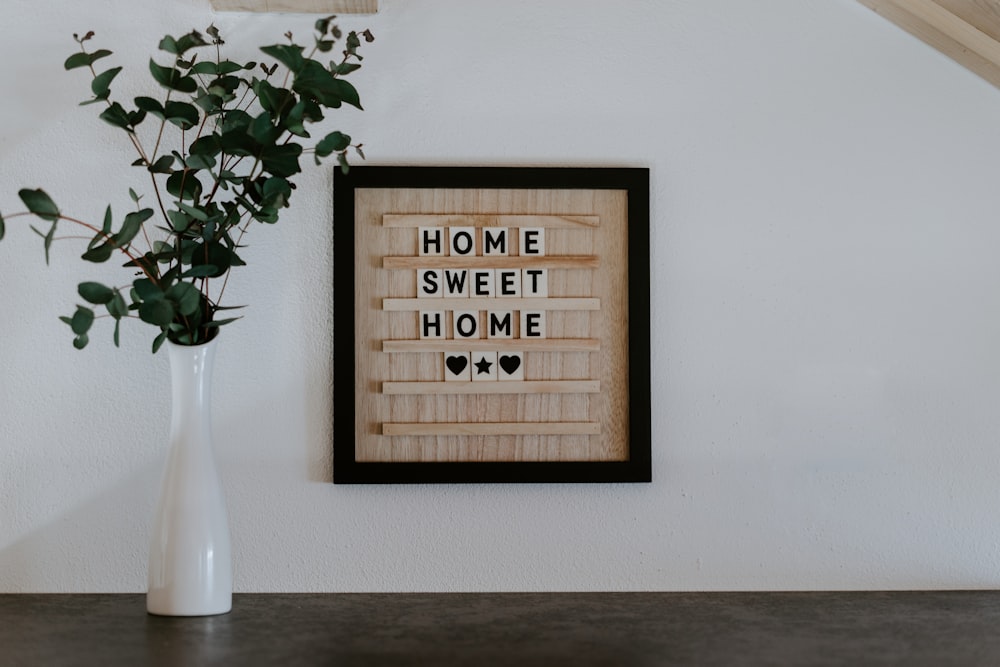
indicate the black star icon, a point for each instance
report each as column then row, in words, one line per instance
column 483, row 367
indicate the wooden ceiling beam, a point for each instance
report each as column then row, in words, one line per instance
column 967, row 31
column 298, row 6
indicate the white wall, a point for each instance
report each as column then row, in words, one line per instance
column 824, row 291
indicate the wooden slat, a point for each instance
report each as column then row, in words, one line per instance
column 446, row 220
column 498, row 344
column 964, row 30
column 481, row 262
column 298, row 6
column 492, row 303
column 494, row 428
column 499, row 387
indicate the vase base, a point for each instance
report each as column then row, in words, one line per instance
column 187, row 612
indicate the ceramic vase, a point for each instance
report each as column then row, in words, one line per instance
column 190, row 562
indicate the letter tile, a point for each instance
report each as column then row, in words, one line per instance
column 465, row 324
column 500, row 324
column 532, row 324
column 457, row 366
column 429, row 283
column 462, row 241
column 532, row 240
column 510, row 365
column 484, row 366
column 508, row 283
column 494, row 241
column 430, row 241
column 536, row 283
column 432, row 324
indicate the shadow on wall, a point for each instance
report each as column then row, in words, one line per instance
column 92, row 538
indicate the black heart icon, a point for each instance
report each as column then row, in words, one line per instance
column 509, row 364
column 456, row 364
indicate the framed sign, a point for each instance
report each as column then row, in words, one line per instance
column 492, row 325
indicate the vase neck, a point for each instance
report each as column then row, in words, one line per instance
column 191, row 376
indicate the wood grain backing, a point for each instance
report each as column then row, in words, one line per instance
column 494, row 428
column 492, row 303
column 496, row 387
column 459, row 262
column 502, row 344
column 488, row 220
column 394, row 384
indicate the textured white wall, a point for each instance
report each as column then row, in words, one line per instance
column 824, row 294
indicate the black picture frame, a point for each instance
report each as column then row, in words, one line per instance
column 637, row 468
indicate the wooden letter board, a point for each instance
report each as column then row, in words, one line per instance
column 492, row 325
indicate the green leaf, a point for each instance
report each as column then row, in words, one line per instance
column 48, row 240
column 323, row 24
column 282, row 160
column 101, row 85
column 346, row 68
column 289, row 55
column 238, row 142
column 272, row 99
column 276, row 191
column 106, row 227
column 185, row 43
column 263, row 131
column 85, row 59
column 181, row 114
column 213, row 255
column 146, row 290
column 225, row 86
column 81, row 341
column 335, row 141
column 228, row 67
column 208, row 145
column 219, row 323
column 201, row 271
column 116, row 337
column 95, row 293
column 210, row 104
column 205, row 67
column 116, row 306
column 158, row 341
column 101, row 253
column 193, row 211
column 81, row 320
column 179, row 221
column 150, row 105
column 163, row 165
column 317, row 82
column 200, row 161
column 39, row 203
column 131, row 226
column 160, row 312
column 184, row 185
column 171, row 78
column 117, row 116
column 3, row 228
column 186, row 296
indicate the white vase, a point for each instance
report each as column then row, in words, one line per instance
column 190, row 562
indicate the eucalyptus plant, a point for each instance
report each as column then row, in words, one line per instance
column 239, row 133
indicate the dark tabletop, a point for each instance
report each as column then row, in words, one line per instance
column 521, row 629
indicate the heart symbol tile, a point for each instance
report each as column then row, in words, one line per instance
column 456, row 364
column 509, row 364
